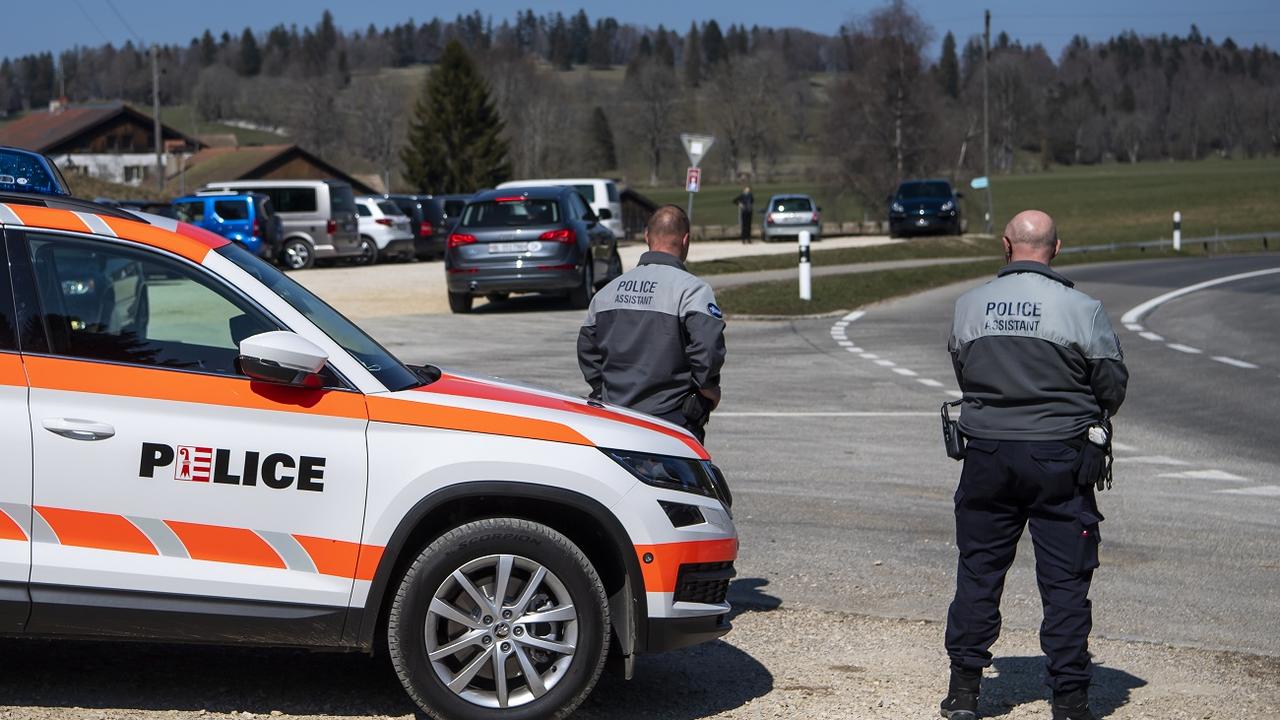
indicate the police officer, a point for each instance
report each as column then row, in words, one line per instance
column 653, row 339
column 1038, row 363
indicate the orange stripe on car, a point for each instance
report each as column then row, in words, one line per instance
column 100, row 531
column 467, row 387
column 156, row 384
column 662, row 571
column 331, row 557
column 225, row 544
column 11, row 370
column 410, row 412
column 180, row 244
column 9, row 528
column 51, row 218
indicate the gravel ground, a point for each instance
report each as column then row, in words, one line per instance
column 419, row 287
column 777, row 663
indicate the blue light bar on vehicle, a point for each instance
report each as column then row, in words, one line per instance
column 23, row 171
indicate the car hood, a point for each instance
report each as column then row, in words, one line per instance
column 501, row 407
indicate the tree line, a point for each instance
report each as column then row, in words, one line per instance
column 862, row 107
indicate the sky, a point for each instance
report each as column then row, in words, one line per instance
column 56, row 25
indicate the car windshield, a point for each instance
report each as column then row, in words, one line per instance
column 381, row 364
column 793, row 204
column 514, row 212
column 911, row 191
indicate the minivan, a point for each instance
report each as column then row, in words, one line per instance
column 319, row 217
column 600, row 193
column 244, row 218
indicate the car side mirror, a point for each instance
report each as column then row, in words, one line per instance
column 282, row 357
column 606, row 214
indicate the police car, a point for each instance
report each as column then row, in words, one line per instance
column 198, row 449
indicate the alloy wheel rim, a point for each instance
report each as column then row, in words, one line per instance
column 296, row 255
column 501, row 631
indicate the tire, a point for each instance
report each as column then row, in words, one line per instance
column 460, row 303
column 368, row 252
column 615, row 267
column 296, row 254
column 433, row 611
column 580, row 297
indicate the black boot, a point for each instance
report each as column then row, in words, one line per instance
column 1072, row 705
column 961, row 702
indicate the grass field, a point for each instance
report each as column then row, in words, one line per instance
column 934, row 247
column 1094, row 204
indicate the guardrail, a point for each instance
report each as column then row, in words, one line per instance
column 1205, row 242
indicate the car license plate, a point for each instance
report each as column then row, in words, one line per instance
column 508, row 247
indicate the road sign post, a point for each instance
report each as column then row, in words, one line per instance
column 1177, row 231
column 806, row 269
column 696, row 147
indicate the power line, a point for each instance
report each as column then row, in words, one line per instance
column 111, row 4
column 92, row 23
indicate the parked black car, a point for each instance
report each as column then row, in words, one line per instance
column 432, row 218
column 924, row 206
column 536, row 239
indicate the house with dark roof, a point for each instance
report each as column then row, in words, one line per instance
column 259, row 162
column 109, row 141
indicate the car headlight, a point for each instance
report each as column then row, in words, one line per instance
column 948, row 206
column 897, row 207
column 675, row 473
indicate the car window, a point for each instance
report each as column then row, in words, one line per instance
column 102, row 301
column 192, row 212
column 924, row 190
column 363, row 210
column 381, row 364
column 292, row 199
column 612, row 189
column 453, row 208
column 514, row 212
column 231, row 209
column 588, row 191
column 389, row 208
column 584, row 210
column 8, row 333
column 341, row 199
column 792, row 204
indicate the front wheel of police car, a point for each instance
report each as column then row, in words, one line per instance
column 499, row 618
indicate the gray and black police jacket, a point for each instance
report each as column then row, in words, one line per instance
column 1036, row 359
column 652, row 336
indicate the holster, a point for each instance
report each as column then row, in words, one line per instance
column 952, row 438
column 696, row 409
column 1093, row 467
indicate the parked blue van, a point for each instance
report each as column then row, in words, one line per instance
column 243, row 218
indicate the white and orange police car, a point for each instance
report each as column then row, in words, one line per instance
column 200, row 450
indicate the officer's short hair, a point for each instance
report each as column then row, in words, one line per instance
column 667, row 222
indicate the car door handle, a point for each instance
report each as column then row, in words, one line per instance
column 77, row 429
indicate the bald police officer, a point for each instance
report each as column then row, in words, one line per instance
column 653, row 339
column 1038, row 362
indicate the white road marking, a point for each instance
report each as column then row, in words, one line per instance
column 1235, row 363
column 885, row 363
column 1153, row 460
column 853, row 315
column 1123, row 447
column 854, row 349
column 854, row 414
column 955, row 393
column 869, row 356
column 1138, row 312
column 844, row 343
column 1257, row 490
column 1133, row 327
column 839, row 333
column 905, row 372
column 1151, row 336
column 929, row 382
column 1214, row 475
column 1183, row 348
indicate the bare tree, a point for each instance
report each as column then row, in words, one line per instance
column 653, row 95
column 376, row 130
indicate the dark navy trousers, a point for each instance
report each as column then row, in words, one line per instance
column 1006, row 485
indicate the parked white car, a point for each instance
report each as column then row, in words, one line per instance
column 600, row 193
column 385, row 232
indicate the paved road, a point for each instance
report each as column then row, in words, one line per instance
column 851, row 512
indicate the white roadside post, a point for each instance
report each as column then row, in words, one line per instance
column 806, row 270
column 1177, row 231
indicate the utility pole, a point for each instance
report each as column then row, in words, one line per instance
column 986, row 123
column 155, row 112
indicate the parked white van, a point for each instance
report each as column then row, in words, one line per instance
column 600, row 193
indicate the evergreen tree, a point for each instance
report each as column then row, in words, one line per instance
column 713, row 43
column 208, row 49
column 579, row 37
column 606, row 154
column 662, row 48
column 600, row 52
column 455, row 136
column 949, row 67
column 560, row 51
column 250, row 56
column 692, row 57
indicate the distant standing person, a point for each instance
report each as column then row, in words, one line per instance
column 653, row 339
column 746, row 203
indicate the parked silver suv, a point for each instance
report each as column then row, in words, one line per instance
column 318, row 217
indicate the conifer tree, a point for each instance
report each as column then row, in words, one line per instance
column 606, row 153
column 455, row 139
column 949, row 67
column 692, row 57
column 250, row 56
